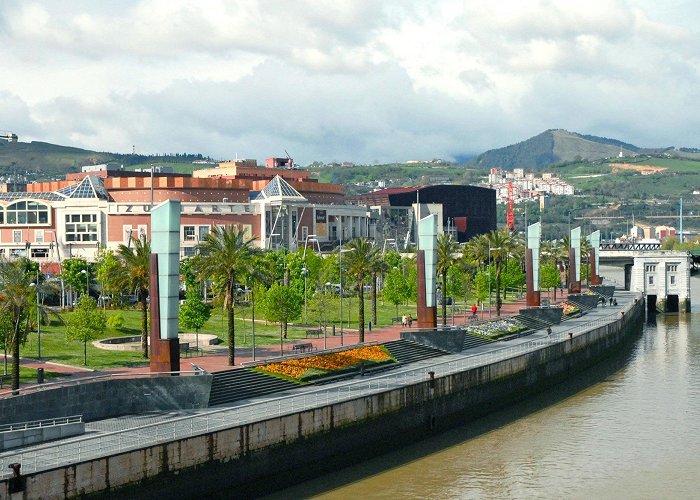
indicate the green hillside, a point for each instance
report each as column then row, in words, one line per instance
column 43, row 161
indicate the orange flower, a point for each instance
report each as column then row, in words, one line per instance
column 296, row 368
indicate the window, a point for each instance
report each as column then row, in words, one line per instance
column 41, row 253
column 188, row 233
column 81, row 227
column 203, row 232
column 38, row 236
column 672, row 280
column 27, row 212
column 651, row 279
column 17, row 236
column 188, row 251
column 304, row 232
column 128, row 230
column 672, row 268
column 650, row 268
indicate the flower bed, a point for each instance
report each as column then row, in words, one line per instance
column 570, row 309
column 323, row 365
column 496, row 329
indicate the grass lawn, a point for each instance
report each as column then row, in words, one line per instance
column 55, row 347
column 26, row 375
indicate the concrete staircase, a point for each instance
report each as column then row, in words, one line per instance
column 240, row 383
column 406, row 351
column 472, row 341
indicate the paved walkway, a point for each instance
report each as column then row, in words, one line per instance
column 218, row 359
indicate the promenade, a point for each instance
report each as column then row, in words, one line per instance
column 110, row 436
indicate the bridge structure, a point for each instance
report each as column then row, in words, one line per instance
column 663, row 276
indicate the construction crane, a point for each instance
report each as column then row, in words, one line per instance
column 510, row 214
column 8, row 136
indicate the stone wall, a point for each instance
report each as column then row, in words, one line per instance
column 109, row 398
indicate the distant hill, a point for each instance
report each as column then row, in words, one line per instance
column 41, row 160
column 553, row 147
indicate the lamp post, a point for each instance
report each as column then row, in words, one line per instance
column 87, row 280
column 38, row 317
column 340, row 265
column 304, row 270
column 490, row 250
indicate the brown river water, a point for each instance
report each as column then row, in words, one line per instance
column 628, row 428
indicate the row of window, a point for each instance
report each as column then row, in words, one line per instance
column 670, row 268
column 26, row 213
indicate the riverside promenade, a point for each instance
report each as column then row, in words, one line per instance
column 120, row 436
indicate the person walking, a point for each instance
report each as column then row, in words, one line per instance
column 474, row 310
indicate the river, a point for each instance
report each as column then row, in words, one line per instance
column 628, row 428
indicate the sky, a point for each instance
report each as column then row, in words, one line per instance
column 346, row 80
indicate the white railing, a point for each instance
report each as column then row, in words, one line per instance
column 86, row 448
column 36, row 424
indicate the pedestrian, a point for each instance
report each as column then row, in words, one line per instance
column 611, row 301
column 404, row 321
column 474, row 310
column 410, row 321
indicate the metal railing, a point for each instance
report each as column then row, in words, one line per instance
column 36, row 424
column 86, row 448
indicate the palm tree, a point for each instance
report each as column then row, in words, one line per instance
column 225, row 256
column 500, row 248
column 359, row 267
column 446, row 250
column 16, row 296
column 137, row 267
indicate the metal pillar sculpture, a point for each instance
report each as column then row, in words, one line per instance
column 532, row 265
column 594, row 239
column 164, row 286
column 575, row 261
column 427, row 268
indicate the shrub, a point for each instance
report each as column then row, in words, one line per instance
column 116, row 321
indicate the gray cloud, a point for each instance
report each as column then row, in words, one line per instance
column 345, row 80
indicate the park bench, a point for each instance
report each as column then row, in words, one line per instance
column 395, row 320
column 306, row 346
column 314, row 332
column 5, row 378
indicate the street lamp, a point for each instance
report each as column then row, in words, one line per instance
column 304, row 270
column 87, row 280
column 340, row 265
column 38, row 316
column 490, row 250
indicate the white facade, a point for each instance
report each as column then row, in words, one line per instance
column 663, row 275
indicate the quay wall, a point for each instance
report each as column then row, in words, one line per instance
column 261, row 457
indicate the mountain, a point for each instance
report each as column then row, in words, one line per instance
column 553, row 147
column 41, row 160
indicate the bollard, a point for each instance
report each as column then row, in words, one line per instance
column 39, row 375
column 370, row 326
column 333, row 330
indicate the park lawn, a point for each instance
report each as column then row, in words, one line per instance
column 27, row 375
column 55, row 347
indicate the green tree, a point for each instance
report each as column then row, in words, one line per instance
column 550, row 277
column 16, row 298
column 500, row 246
column 447, row 247
column 512, row 275
column 73, row 273
column 321, row 307
column 226, row 257
column 108, row 271
column 358, row 264
column 136, row 262
column 86, row 323
column 194, row 313
column 378, row 267
column 395, row 287
column 281, row 304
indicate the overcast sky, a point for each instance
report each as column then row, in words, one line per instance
column 353, row 80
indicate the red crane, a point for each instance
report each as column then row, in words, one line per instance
column 510, row 214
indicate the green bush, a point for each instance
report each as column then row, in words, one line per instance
column 116, row 321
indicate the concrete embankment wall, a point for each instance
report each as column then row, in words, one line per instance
column 263, row 456
column 109, row 398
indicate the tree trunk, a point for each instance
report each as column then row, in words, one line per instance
column 374, row 299
column 498, row 288
column 361, row 312
column 15, row 359
column 231, row 333
column 444, row 297
column 144, row 326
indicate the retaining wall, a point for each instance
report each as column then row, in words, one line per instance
column 260, row 457
column 109, row 398
column 35, row 435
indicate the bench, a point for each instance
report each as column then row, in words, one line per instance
column 306, row 346
column 314, row 332
column 395, row 320
column 5, row 378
